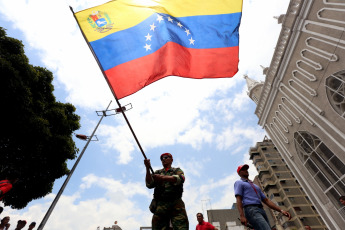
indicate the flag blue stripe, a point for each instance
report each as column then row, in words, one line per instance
column 207, row 31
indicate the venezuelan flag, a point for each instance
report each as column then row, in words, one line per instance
column 138, row 42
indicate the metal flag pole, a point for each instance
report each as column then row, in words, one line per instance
column 52, row 206
column 112, row 90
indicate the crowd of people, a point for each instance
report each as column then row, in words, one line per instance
column 5, row 223
column 5, row 186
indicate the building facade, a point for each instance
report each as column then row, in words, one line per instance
column 301, row 103
column 280, row 186
column 225, row 219
column 113, row 227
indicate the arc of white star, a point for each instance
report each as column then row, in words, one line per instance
column 160, row 18
column 153, row 27
column 170, row 19
column 147, row 47
column 179, row 24
column 187, row 31
column 148, row 36
column 191, row 41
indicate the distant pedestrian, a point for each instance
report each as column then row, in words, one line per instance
column 249, row 199
column 32, row 225
column 167, row 204
column 20, row 224
column 115, row 226
column 6, row 185
column 3, row 222
column 342, row 200
column 203, row 225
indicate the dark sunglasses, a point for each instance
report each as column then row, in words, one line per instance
column 165, row 157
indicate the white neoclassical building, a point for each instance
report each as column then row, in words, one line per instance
column 301, row 103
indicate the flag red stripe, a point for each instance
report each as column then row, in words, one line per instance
column 172, row 60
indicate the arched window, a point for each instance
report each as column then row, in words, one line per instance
column 335, row 88
column 325, row 167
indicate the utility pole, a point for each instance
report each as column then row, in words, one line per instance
column 88, row 138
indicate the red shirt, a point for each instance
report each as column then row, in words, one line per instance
column 5, row 186
column 204, row 226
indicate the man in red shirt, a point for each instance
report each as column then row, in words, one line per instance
column 203, row 225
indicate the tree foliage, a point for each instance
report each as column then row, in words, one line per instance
column 36, row 130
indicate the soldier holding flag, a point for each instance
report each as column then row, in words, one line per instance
column 167, row 204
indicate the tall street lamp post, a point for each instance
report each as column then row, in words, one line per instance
column 83, row 137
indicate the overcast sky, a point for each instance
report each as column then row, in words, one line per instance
column 208, row 125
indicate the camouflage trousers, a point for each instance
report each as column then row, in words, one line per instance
column 173, row 211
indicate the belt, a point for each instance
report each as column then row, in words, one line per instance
column 168, row 198
column 254, row 205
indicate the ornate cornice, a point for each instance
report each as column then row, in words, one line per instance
column 289, row 22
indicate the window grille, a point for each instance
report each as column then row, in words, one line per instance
column 335, row 89
column 325, row 167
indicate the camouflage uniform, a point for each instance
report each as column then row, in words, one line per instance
column 170, row 206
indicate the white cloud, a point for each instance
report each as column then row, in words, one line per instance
column 211, row 194
column 199, row 133
column 258, row 33
column 128, row 189
column 226, row 188
column 241, row 100
column 115, row 203
column 192, row 168
column 179, row 122
column 237, row 134
column 118, row 138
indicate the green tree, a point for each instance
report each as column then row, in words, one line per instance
column 36, row 130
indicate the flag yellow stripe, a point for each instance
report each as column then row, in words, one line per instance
column 128, row 13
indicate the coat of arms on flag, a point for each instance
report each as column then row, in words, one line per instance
column 100, row 21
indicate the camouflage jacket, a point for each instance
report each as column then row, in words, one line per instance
column 168, row 190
